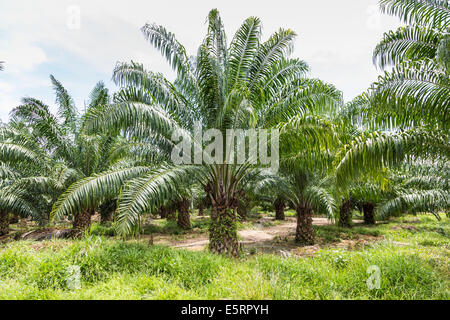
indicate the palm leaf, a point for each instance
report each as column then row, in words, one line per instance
column 90, row 191
column 66, row 106
column 432, row 13
column 415, row 202
column 407, row 43
column 148, row 192
column 242, row 51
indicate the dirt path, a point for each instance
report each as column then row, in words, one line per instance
column 259, row 235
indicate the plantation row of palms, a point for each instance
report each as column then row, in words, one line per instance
column 384, row 153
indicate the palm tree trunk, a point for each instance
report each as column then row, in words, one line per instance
column 280, row 206
column 163, row 212
column 4, row 223
column 345, row 214
column 14, row 218
column 305, row 231
column 106, row 217
column 223, row 229
column 82, row 221
column 171, row 213
column 107, row 210
column 369, row 215
column 201, row 209
column 184, row 219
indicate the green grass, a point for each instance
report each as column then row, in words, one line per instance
column 330, row 234
column 413, row 263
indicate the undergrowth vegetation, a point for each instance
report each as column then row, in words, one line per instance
column 413, row 259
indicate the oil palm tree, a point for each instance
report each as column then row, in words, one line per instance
column 409, row 188
column 69, row 153
column 267, row 190
column 417, row 188
column 406, row 110
column 308, row 190
column 387, row 126
column 365, row 196
column 308, row 146
column 371, row 152
column 21, row 161
column 363, row 189
column 247, row 84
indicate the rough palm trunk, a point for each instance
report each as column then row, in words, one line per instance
column 171, row 213
column 106, row 217
column 163, row 212
column 14, row 218
column 4, row 223
column 345, row 214
column 369, row 215
column 280, row 206
column 82, row 221
column 305, row 231
column 184, row 219
column 223, row 228
column 201, row 209
column 107, row 210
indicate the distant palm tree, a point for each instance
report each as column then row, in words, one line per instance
column 22, row 162
column 423, row 187
column 52, row 153
column 405, row 113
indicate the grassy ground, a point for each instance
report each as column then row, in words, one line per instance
column 412, row 254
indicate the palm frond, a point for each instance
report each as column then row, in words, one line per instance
column 12, row 203
column 91, row 191
column 44, row 125
column 373, row 151
column 427, row 182
column 320, row 199
column 242, row 51
column 419, row 87
column 8, row 173
column 159, row 88
column 414, row 202
column 432, row 13
column 216, row 39
column 306, row 96
column 282, row 73
column 171, row 49
column 66, row 105
column 279, row 45
column 443, row 54
column 407, row 43
column 149, row 192
column 210, row 79
column 14, row 153
column 132, row 115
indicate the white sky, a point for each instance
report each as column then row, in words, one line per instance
column 38, row 38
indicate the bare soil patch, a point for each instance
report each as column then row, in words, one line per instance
column 277, row 239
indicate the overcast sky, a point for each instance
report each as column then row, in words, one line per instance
column 39, row 38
